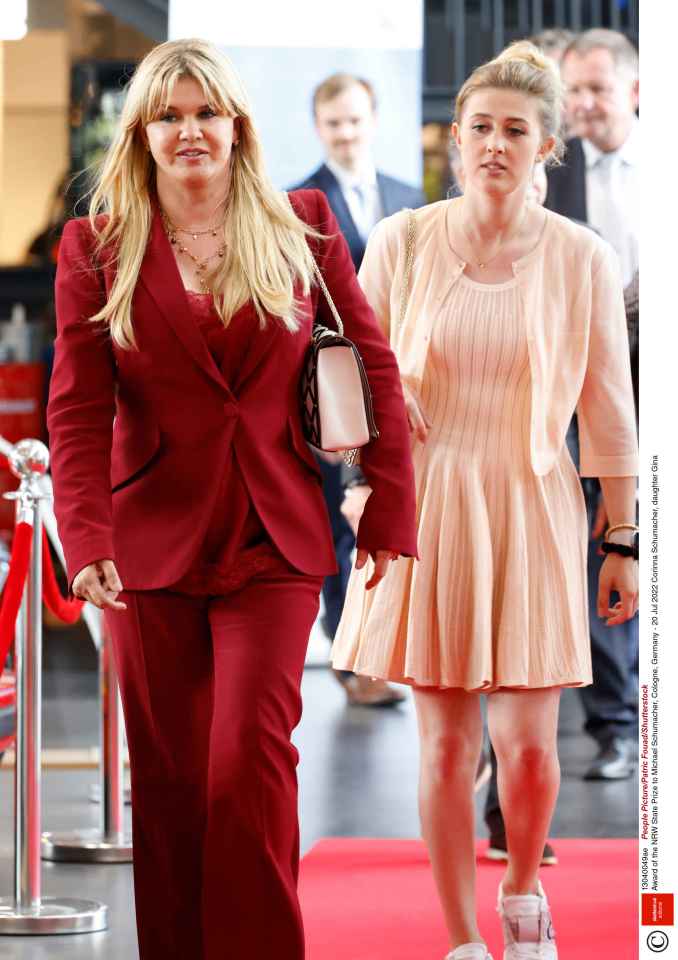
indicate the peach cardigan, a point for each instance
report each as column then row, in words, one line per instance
column 573, row 305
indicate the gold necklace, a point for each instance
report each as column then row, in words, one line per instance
column 481, row 266
column 201, row 263
column 200, row 233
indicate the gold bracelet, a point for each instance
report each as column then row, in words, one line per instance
column 621, row 526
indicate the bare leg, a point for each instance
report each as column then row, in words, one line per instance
column 450, row 728
column 523, row 729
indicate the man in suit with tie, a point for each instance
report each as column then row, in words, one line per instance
column 344, row 110
column 599, row 184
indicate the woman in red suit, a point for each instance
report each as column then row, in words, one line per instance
column 189, row 505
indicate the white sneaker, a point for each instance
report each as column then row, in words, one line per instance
column 469, row 951
column 528, row 929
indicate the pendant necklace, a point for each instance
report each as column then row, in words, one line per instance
column 201, row 263
column 511, row 236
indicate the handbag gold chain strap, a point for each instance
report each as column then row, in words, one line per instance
column 328, row 297
column 404, row 291
column 323, row 286
column 409, row 261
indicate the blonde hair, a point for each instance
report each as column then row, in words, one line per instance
column 524, row 68
column 266, row 248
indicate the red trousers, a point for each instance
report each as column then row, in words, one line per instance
column 210, row 690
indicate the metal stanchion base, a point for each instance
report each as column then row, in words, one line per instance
column 95, row 794
column 53, row 915
column 87, row 846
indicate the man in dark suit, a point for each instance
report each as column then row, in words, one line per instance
column 598, row 184
column 344, row 110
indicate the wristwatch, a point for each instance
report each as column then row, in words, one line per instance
column 621, row 548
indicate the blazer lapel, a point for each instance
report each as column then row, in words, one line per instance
column 567, row 184
column 389, row 203
column 330, row 186
column 259, row 344
column 161, row 277
column 581, row 184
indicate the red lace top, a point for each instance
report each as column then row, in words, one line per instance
column 237, row 546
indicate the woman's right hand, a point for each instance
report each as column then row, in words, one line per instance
column 99, row 583
column 419, row 422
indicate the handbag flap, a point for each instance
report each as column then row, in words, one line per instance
column 343, row 421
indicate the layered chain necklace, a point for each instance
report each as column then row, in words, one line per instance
column 502, row 245
column 201, row 263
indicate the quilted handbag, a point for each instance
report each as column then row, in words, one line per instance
column 336, row 403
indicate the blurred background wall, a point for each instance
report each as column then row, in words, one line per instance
column 33, row 133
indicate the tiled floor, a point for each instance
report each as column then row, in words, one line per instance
column 357, row 777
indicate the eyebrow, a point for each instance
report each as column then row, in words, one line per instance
column 203, row 106
column 508, row 119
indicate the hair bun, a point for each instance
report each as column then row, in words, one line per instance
column 526, row 52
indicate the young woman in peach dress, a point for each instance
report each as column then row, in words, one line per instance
column 514, row 318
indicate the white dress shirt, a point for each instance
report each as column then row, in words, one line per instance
column 613, row 199
column 361, row 193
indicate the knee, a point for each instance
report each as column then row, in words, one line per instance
column 448, row 756
column 529, row 761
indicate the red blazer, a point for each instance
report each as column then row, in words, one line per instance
column 140, row 438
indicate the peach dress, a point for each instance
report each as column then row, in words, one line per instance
column 498, row 598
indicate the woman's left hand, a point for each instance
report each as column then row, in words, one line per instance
column 620, row 574
column 382, row 560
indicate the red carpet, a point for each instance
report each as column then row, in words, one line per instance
column 375, row 900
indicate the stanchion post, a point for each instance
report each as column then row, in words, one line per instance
column 110, row 843
column 27, row 801
column 111, row 744
column 28, row 912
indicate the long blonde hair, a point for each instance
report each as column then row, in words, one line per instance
column 524, row 68
column 266, row 248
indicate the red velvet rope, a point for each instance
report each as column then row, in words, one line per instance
column 14, row 587
column 68, row 611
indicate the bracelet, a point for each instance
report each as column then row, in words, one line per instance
column 622, row 526
column 620, row 548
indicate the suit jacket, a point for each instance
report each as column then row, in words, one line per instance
column 567, row 195
column 573, row 305
column 140, row 438
column 394, row 195
column 567, row 183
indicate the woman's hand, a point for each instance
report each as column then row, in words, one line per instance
column 353, row 505
column 419, row 422
column 620, row 574
column 381, row 562
column 100, row 584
